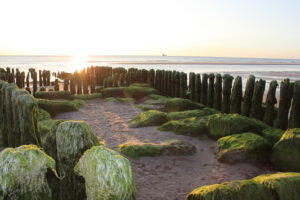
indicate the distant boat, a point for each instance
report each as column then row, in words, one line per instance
column 164, row 55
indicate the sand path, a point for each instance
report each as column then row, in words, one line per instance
column 164, row 177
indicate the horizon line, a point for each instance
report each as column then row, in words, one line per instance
column 62, row 55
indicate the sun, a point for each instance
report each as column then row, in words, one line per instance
column 78, row 62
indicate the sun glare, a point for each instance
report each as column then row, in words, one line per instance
column 78, row 62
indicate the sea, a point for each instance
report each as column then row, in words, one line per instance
column 265, row 68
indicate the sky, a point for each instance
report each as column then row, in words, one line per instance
column 225, row 28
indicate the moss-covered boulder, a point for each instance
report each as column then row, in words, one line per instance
column 55, row 107
column 285, row 186
column 235, row 190
column 286, row 151
column 179, row 104
column 107, row 174
column 73, row 138
column 120, row 100
column 149, row 118
column 190, row 126
column 54, row 95
column 25, row 172
column 141, row 85
column 171, row 148
column 221, row 125
column 43, row 115
column 245, row 147
column 191, row 113
column 135, row 92
column 88, row 96
column 273, row 135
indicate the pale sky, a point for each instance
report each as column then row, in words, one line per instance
column 228, row 28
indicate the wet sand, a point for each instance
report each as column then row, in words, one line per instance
column 163, row 177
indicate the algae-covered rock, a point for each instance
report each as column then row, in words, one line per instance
column 88, row 96
column 132, row 92
column 55, row 107
column 28, row 110
column 141, row 85
column 43, row 115
column 23, row 173
column 286, row 151
column 107, row 175
column 54, row 95
column 46, row 125
column 191, row 113
column 221, row 125
column 120, row 100
column 149, row 118
column 245, row 147
column 189, row 126
column 284, row 185
column 73, row 138
column 179, row 104
column 170, row 148
column 273, row 135
column 235, row 190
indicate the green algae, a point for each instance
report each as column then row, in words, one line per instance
column 54, row 95
column 189, row 126
column 191, row 113
column 245, row 147
column 235, row 190
column 121, row 100
column 131, row 92
column 55, row 107
column 172, row 147
column 284, row 185
column 16, row 118
column 221, row 125
column 23, row 173
column 73, row 138
column 149, row 118
column 43, row 115
column 107, row 175
column 88, row 96
column 286, row 151
column 9, row 114
column 273, row 135
column 28, row 110
column 179, row 104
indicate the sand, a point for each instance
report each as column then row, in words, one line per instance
column 163, row 177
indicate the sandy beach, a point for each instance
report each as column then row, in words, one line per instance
column 163, row 177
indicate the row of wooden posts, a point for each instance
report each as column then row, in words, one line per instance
column 222, row 92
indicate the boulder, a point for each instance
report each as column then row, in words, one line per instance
column 107, row 174
column 235, row 190
column 25, row 172
column 191, row 113
column 284, row 185
column 135, row 92
column 286, row 151
column 273, row 135
column 179, row 104
column 190, row 126
column 73, row 138
column 245, row 147
column 170, row 148
column 221, row 125
column 149, row 118
column 54, row 95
